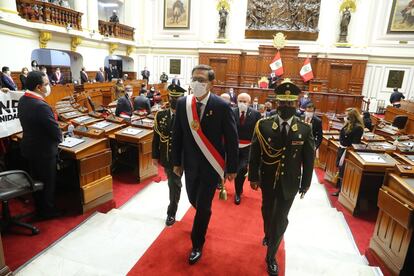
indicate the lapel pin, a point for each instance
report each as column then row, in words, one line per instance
column 274, row 126
column 300, row 136
column 295, row 127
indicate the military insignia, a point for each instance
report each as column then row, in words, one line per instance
column 269, row 139
column 274, row 126
column 295, row 127
column 195, row 125
column 211, row 112
column 300, row 136
column 287, row 92
column 296, row 143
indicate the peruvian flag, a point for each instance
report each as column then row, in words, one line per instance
column 277, row 65
column 306, row 72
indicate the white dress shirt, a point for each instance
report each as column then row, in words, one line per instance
column 203, row 107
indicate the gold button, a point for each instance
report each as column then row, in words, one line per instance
column 284, row 148
column 283, row 165
column 283, row 156
column 282, row 173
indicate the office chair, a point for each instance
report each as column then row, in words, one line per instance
column 400, row 121
column 13, row 184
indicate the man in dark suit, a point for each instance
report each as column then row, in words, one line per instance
column 246, row 119
column 162, row 146
column 205, row 144
column 281, row 164
column 57, row 77
column 396, row 98
column 100, row 75
column 142, row 102
column 273, row 78
column 41, row 137
column 163, row 77
column 269, row 111
column 233, row 96
column 110, row 72
column 176, row 81
column 7, row 80
column 124, row 106
column 315, row 122
column 84, row 76
column 145, row 74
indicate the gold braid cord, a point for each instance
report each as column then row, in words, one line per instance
column 163, row 138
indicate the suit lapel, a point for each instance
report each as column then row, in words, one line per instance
column 207, row 108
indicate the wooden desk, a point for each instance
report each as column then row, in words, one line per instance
column 58, row 93
column 70, row 115
column 143, row 143
column 371, row 137
column 323, row 148
column 93, row 171
column 110, row 129
column 391, row 112
column 362, row 179
column 331, row 169
column 100, row 92
column 392, row 240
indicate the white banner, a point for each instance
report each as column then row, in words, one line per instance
column 9, row 121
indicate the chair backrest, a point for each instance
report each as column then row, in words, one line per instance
column 400, row 121
column 15, row 179
column 263, row 82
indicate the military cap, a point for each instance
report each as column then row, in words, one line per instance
column 175, row 90
column 287, row 91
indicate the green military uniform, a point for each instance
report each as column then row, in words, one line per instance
column 162, row 148
column 282, row 164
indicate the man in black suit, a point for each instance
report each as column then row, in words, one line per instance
column 84, row 76
column 176, row 81
column 57, row 77
column 205, row 144
column 269, row 111
column 246, row 119
column 273, row 78
column 41, row 137
column 396, row 98
column 311, row 119
column 142, row 102
column 233, row 97
column 124, row 106
column 100, row 75
column 145, row 74
column 7, row 80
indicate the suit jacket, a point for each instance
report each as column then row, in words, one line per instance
column 100, row 76
column 110, row 73
column 143, row 103
column 176, row 81
column 124, row 106
column 8, row 83
column 270, row 113
column 233, row 99
column 246, row 130
column 293, row 158
column 23, row 80
column 145, row 74
column 41, row 133
column 84, row 77
column 317, row 132
column 57, row 80
column 219, row 127
column 162, row 139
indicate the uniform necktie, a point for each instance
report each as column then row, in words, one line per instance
column 284, row 132
column 242, row 118
column 199, row 105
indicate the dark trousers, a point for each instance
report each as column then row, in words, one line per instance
column 174, row 185
column 275, row 210
column 44, row 170
column 201, row 186
column 242, row 170
column 340, row 168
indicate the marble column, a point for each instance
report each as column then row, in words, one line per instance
column 131, row 9
column 93, row 16
column 8, row 6
column 82, row 6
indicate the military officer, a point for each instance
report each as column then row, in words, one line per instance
column 163, row 77
column 161, row 149
column 281, row 164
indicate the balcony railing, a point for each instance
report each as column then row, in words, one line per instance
column 48, row 13
column 116, row 30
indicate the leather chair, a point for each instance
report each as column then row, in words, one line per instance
column 14, row 184
column 400, row 121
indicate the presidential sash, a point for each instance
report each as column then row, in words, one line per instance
column 209, row 151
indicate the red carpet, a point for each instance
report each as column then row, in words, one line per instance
column 233, row 242
column 19, row 248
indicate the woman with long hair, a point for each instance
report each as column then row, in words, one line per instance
column 350, row 134
column 23, row 77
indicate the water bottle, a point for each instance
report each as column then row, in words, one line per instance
column 70, row 130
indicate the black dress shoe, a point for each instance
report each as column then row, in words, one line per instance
column 335, row 194
column 272, row 267
column 170, row 220
column 237, row 200
column 265, row 241
column 195, row 255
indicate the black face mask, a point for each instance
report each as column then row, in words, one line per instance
column 285, row 112
column 173, row 103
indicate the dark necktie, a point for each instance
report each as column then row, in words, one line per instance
column 284, row 132
column 172, row 119
column 242, row 118
column 199, row 105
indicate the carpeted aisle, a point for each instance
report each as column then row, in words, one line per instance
column 233, row 242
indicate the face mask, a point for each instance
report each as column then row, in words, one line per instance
column 199, row 89
column 286, row 112
column 255, row 103
column 47, row 90
column 129, row 94
column 346, row 120
column 242, row 107
column 308, row 114
column 173, row 103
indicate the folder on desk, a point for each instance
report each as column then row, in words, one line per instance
column 81, row 119
column 70, row 142
column 372, row 157
column 101, row 125
column 131, row 131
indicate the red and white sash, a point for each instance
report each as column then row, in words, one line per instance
column 244, row 143
column 38, row 97
column 209, row 151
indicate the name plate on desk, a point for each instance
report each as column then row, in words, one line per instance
column 131, row 131
column 372, row 157
column 70, row 142
column 101, row 125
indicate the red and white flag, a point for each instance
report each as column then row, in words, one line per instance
column 277, row 65
column 306, row 72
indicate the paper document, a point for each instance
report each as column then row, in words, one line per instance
column 81, row 119
column 101, row 125
column 372, row 158
column 131, row 131
column 70, row 142
column 73, row 113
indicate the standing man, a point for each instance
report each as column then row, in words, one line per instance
column 176, row 81
column 142, row 103
column 100, row 75
column 233, row 96
column 246, row 119
column 57, row 77
column 114, row 17
column 396, row 97
column 315, row 122
column 163, row 77
column 145, row 74
column 204, row 134
column 162, row 146
column 281, row 164
column 84, row 76
column 41, row 137
column 124, row 106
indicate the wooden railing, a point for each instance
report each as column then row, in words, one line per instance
column 116, row 30
column 48, row 13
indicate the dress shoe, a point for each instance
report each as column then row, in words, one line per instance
column 195, row 255
column 237, row 200
column 272, row 267
column 265, row 241
column 170, row 220
column 335, row 194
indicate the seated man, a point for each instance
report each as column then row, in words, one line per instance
column 57, row 77
column 114, row 17
column 142, row 103
column 7, row 80
column 269, row 110
column 124, row 105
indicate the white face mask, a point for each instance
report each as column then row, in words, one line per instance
column 242, row 107
column 129, row 94
column 308, row 114
column 199, row 89
column 48, row 89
